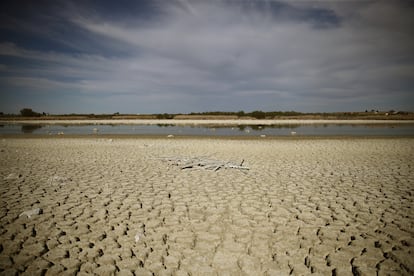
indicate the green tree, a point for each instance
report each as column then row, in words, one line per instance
column 240, row 113
column 258, row 114
column 28, row 112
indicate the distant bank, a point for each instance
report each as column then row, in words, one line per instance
column 28, row 114
column 201, row 122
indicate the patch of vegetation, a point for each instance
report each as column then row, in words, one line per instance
column 258, row 114
column 28, row 112
column 165, row 116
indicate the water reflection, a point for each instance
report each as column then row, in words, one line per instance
column 263, row 127
column 242, row 128
column 30, row 128
column 214, row 130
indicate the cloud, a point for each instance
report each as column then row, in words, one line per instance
column 34, row 83
column 188, row 56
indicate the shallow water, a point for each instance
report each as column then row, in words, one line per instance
column 276, row 130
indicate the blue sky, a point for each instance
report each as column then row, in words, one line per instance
column 156, row 56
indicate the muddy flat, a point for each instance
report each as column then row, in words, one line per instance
column 112, row 205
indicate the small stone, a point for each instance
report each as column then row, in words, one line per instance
column 13, row 176
column 30, row 213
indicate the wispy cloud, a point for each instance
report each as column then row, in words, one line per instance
column 229, row 55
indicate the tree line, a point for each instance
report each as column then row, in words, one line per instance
column 257, row 114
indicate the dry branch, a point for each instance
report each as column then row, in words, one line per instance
column 203, row 163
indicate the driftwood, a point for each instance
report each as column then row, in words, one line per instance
column 57, row 180
column 204, row 163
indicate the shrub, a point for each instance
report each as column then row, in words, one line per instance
column 258, row 114
column 28, row 112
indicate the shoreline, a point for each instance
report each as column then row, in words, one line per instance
column 202, row 137
column 190, row 122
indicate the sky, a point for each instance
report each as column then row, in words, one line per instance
column 181, row 56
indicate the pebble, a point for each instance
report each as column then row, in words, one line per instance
column 32, row 212
column 13, row 176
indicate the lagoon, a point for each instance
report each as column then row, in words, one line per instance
column 212, row 130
